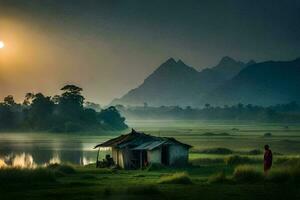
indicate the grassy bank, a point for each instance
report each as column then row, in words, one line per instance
column 213, row 181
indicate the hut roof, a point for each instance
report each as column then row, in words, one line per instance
column 149, row 145
column 139, row 141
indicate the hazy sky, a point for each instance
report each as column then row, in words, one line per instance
column 110, row 46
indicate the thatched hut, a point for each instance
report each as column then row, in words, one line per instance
column 136, row 150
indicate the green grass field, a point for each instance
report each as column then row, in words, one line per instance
column 238, row 136
column 90, row 183
column 216, row 174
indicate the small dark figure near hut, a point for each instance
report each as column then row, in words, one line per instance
column 268, row 159
column 107, row 162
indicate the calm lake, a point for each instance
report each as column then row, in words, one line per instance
column 42, row 148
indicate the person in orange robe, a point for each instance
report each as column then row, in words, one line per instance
column 268, row 159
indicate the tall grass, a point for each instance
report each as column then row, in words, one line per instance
column 218, row 178
column 285, row 173
column 177, row 178
column 232, row 160
column 247, row 173
column 238, row 160
column 286, row 170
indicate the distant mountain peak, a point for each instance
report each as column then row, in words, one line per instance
column 172, row 83
column 227, row 60
column 173, row 66
column 170, row 61
column 229, row 67
column 180, row 62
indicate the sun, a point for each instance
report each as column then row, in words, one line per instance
column 2, row 45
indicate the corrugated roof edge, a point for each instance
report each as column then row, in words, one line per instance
column 130, row 136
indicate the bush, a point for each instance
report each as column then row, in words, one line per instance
column 143, row 190
column 219, row 150
column 64, row 169
column 268, row 135
column 237, row 160
column 246, row 173
column 255, row 152
column 17, row 175
column 218, row 178
column 177, row 178
column 215, row 134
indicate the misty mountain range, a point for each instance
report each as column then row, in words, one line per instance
column 229, row 82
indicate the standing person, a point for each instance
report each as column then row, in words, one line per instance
column 268, row 158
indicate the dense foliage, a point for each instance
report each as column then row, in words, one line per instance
column 279, row 113
column 60, row 113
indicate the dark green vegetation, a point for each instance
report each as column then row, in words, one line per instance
column 212, row 181
column 289, row 112
column 222, row 166
column 60, row 113
column 230, row 82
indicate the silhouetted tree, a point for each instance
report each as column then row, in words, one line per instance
column 40, row 112
column 61, row 113
column 28, row 99
column 9, row 100
column 93, row 106
column 207, row 105
column 112, row 118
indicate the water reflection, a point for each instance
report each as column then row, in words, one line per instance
column 30, row 150
column 20, row 160
column 25, row 160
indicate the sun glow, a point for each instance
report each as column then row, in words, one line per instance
column 2, row 45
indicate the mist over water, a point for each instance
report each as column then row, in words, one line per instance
column 37, row 149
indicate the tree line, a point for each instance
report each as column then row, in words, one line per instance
column 60, row 113
column 289, row 112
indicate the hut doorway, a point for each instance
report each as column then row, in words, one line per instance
column 140, row 159
column 165, row 155
column 144, row 158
